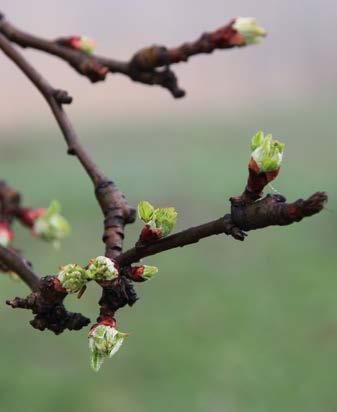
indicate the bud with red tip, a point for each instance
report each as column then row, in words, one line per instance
column 6, row 234
column 264, row 165
column 28, row 215
column 81, row 43
column 159, row 222
column 143, row 273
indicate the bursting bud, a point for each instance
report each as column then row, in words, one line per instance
column 82, row 43
column 104, row 342
column 266, row 154
column 144, row 272
column 249, row 30
column 51, row 226
column 6, row 235
column 102, row 268
column 72, row 277
column 159, row 222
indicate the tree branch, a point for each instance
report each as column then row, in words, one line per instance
column 16, row 264
column 143, row 65
column 113, row 204
column 270, row 211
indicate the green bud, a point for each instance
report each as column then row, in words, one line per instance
column 104, row 342
column 249, row 30
column 52, row 227
column 266, row 152
column 145, row 211
column 149, row 271
column 87, row 45
column 161, row 218
column 165, row 218
column 72, row 277
column 102, row 268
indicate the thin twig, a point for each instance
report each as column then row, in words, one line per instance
column 115, row 209
column 15, row 263
column 272, row 210
column 149, row 65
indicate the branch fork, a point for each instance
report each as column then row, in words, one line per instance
column 152, row 66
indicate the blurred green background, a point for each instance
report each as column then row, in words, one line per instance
column 225, row 325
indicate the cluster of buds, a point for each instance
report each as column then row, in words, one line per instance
column 73, row 278
column 81, row 43
column 104, row 341
column 143, row 273
column 6, row 234
column 248, row 31
column 102, row 268
column 159, row 222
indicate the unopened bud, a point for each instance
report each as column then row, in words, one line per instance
column 6, row 235
column 82, row 43
column 72, row 277
column 144, row 272
column 102, row 268
column 249, row 30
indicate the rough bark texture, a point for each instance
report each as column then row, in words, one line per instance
column 46, row 303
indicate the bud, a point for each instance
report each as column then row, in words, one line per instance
column 159, row 222
column 144, row 272
column 6, row 235
column 82, row 43
column 72, row 278
column 150, row 234
column 102, row 268
column 28, row 215
column 51, row 226
column 249, row 30
column 267, row 153
column 104, row 342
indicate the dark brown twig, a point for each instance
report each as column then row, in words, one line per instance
column 272, row 210
column 143, row 66
column 115, row 209
column 15, row 263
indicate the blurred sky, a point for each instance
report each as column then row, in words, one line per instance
column 296, row 62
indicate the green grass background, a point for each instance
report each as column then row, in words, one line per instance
column 225, row 326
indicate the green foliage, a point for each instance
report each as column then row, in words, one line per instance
column 104, row 342
column 162, row 218
column 52, row 226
